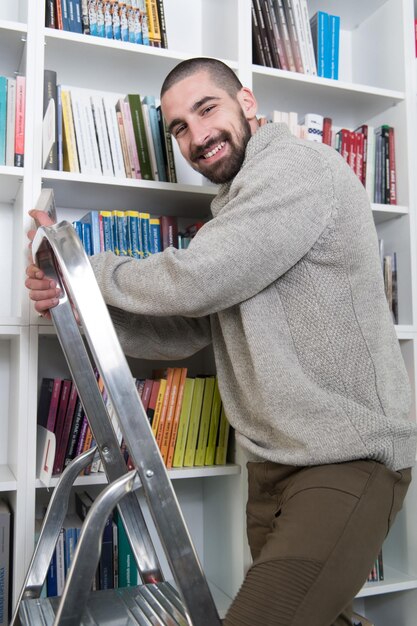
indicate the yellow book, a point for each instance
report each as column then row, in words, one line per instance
column 203, row 432
column 70, row 155
column 158, row 407
column 153, row 23
column 214, row 426
column 221, row 449
column 181, row 438
column 197, row 401
column 164, row 408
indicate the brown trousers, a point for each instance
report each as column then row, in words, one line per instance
column 314, row 533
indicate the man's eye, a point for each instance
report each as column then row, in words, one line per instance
column 179, row 130
column 208, row 109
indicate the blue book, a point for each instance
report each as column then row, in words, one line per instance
column 144, row 231
column 65, row 14
column 92, row 218
column 3, row 119
column 106, row 577
column 319, row 24
column 155, row 243
column 51, row 580
column 78, row 20
column 119, row 230
column 106, row 220
column 334, row 30
column 86, row 238
column 133, row 246
column 156, row 137
column 78, row 229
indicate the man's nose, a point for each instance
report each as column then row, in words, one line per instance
column 199, row 133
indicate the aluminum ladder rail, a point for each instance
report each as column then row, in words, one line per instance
column 81, row 308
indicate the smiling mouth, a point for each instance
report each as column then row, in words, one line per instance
column 214, row 150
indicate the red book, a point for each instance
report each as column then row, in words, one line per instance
column 360, row 147
column 392, row 167
column 146, row 393
column 327, row 131
column 61, row 413
column 152, row 400
column 19, row 134
column 363, row 130
column 169, row 231
column 61, row 446
column 53, row 406
column 59, row 20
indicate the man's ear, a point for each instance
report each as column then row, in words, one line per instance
column 248, row 103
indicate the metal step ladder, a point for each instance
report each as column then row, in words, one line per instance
column 88, row 340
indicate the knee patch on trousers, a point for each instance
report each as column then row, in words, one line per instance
column 272, row 592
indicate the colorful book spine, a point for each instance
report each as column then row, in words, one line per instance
column 19, row 138
column 194, row 424
column 334, row 37
column 181, row 437
column 11, row 120
column 214, row 426
column 140, row 135
column 155, row 244
column 3, row 119
column 203, row 431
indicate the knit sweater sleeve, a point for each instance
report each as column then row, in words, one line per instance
column 277, row 207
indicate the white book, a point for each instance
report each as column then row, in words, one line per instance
column 301, row 35
column 370, row 164
column 114, row 137
column 145, row 109
column 10, row 120
column 102, row 136
column 85, row 132
column 309, row 39
column 276, row 117
column 293, row 122
column 313, row 123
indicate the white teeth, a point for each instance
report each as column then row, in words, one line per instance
column 213, row 152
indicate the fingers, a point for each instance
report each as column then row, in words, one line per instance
column 41, row 218
column 33, row 271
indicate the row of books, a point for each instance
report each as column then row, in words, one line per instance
column 135, row 21
column 284, row 37
column 103, row 134
column 132, row 233
column 5, row 561
column 116, row 567
column 377, row 572
column 369, row 150
column 185, row 413
column 12, row 120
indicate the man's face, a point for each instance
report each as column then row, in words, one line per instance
column 210, row 126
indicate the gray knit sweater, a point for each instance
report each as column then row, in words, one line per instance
column 286, row 281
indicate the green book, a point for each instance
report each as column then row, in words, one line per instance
column 190, row 447
column 183, row 423
column 128, row 571
column 203, row 432
column 214, row 426
column 221, row 449
column 139, row 130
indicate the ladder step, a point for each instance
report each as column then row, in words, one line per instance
column 155, row 604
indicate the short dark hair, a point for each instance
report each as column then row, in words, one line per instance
column 219, row 72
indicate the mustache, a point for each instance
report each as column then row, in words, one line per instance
column 198, row 151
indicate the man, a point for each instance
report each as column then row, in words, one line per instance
column 285, row 281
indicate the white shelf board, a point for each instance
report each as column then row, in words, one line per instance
column 12, row 26
column 9, row 327
column 348, row 104
column 107, row 61
column 7, row 479
column 98, row 193
column 406, row 332
column 393, row 581
column 99, row 478
column 10, row 180
column 385, row 212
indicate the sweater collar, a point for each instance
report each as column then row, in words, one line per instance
column 258, row 142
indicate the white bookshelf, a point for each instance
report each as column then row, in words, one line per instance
column 376, row 85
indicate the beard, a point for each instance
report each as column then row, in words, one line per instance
column 225, row 169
